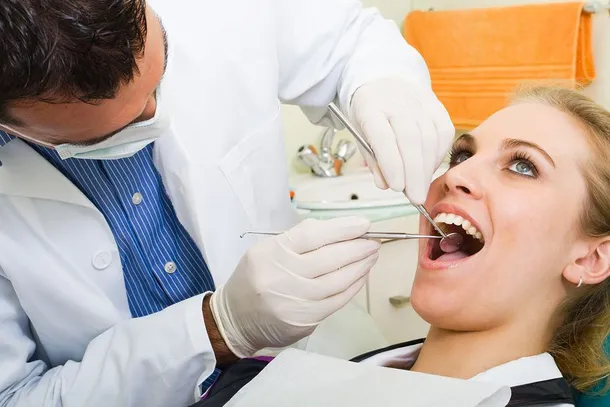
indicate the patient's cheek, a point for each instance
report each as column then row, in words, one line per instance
column 516, row 226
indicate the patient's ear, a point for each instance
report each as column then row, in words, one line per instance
column 592, row 264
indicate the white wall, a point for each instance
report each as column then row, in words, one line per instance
column 393, row 9
column 299, row 131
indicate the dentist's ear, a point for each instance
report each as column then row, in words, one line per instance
column 592, row 266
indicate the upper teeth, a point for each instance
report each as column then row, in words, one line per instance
column 452, row 219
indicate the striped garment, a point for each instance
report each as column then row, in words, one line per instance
column 161, row 263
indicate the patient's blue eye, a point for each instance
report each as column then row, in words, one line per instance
column 458, row 157
column 523, row 168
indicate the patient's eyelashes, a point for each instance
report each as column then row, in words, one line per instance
column 459, row 154
column 521, row 164
column 518, row 162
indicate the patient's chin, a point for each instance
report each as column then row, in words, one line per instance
column 428, row 305
column 450, row 320
column 449, row 312
column 460, row 316
column 433, row 314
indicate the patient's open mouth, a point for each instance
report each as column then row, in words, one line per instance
column 451, row 223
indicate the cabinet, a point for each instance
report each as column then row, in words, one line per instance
column 390, row 282
column 380, row 314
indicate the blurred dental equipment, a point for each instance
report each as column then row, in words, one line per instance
column 329, row 161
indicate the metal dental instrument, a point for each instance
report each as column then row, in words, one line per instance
column 450, row 242
column 368, row 235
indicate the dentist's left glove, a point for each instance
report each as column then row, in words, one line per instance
column 286, row 285
column 409, row 130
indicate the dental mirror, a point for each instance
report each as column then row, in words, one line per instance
column 451, row 243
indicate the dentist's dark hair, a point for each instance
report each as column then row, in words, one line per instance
column 580, row 346
column 63, row 50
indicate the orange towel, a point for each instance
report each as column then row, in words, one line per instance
column 477, row 57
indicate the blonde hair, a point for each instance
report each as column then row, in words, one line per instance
column 578, row 345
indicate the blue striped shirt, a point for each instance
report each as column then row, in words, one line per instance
column 161, row 263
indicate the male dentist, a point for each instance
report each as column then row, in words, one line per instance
column 134, row 154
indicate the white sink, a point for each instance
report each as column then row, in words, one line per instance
column 354, row 190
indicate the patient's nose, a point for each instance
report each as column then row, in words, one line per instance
column 462, row 179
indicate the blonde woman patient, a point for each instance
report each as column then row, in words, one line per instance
column 526, row 302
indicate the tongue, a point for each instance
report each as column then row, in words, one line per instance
column 453, row 256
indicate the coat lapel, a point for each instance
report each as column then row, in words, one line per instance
column 24, row 173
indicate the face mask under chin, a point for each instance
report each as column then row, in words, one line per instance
column 116, row 152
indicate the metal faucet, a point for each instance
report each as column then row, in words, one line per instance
column 327, row 162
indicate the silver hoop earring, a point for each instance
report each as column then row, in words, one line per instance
column 579, row 282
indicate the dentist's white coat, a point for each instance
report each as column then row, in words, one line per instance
column 66, row 334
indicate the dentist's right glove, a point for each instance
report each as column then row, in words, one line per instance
column 286, row 285
column 409, row 130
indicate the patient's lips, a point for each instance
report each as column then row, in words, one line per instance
column 452, row 223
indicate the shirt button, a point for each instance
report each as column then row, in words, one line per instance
column 137, row 198
column 170, row 267
column 101, row 260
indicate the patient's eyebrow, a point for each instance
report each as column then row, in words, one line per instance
column 466, row 138
column 512, row 143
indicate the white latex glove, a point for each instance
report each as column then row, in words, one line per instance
column 409, row 130
column 286, row 285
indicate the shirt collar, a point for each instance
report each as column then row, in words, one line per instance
column 514, row 373
column 529, row 369
column 4, row 139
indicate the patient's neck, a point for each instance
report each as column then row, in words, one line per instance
column 465, row 354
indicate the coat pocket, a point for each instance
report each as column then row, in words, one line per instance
column 257, row 171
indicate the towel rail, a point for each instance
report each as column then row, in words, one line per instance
column 591, row 7
column 596, row 6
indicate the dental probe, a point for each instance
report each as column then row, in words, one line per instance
column 450, row 242
column 368, row 235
